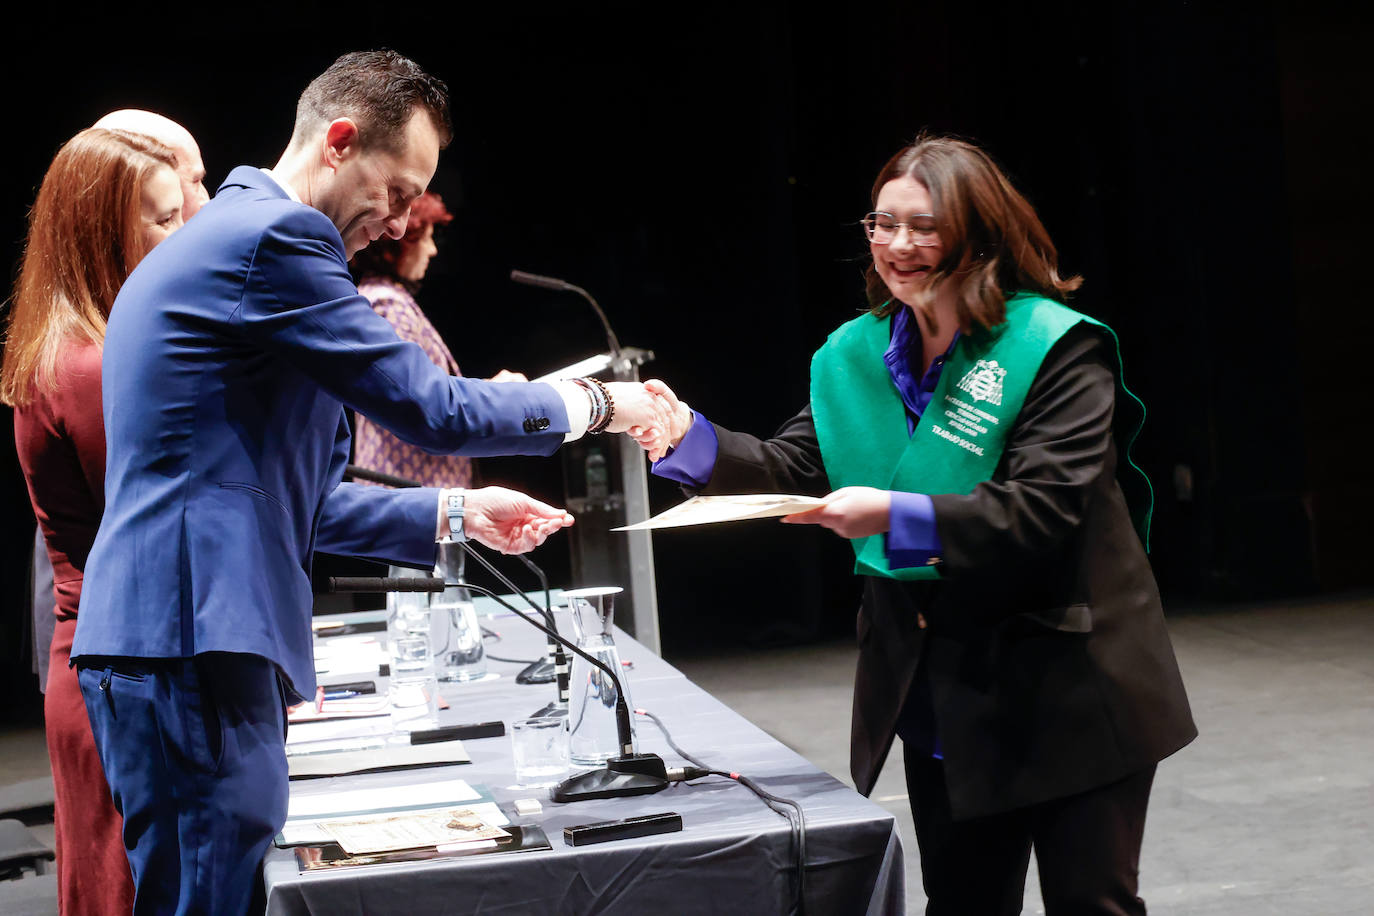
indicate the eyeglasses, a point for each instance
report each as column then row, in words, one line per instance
column 881, row 229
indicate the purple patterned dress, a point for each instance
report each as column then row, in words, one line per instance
column 375, row 448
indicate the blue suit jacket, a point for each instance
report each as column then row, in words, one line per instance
column 230, row 354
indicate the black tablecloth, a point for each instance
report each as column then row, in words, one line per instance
column 733, row 855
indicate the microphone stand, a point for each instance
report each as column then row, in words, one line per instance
column 623, row 775
column 555, row 664
column 529, row 279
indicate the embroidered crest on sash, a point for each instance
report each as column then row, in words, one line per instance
column 984, row 381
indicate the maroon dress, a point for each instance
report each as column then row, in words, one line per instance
column 373, row 447
column 60, row 437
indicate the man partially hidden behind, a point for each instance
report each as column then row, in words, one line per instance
column 229, row 357
column 190, row 167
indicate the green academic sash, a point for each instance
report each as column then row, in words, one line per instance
column 861, row 420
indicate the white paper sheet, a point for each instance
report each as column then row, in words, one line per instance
column 355, row 653
column 335, row 761
column 589, row 366
column 335, row 729
column 369, row 704
column 707, row 510
column 383, row 798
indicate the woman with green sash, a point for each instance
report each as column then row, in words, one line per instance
column 971, row 435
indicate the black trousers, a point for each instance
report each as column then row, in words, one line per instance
column 1087, row 848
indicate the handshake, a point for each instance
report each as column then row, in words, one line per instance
column 650, row 414
column 512, row 522
column 653, row 416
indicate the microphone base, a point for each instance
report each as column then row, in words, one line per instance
column 551, row 710
column 637, row 774
column 540, row 672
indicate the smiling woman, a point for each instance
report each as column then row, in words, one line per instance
column 972, row 434
column 987, row 238
column 108, row 198
column 160, row 214
column 904, row 237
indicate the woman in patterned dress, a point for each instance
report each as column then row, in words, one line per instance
column 389, row 273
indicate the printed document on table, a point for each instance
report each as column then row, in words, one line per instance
column 313, row 833
column 412, row 830
column 707, row 510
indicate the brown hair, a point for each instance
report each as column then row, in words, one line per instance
column 382, row 257
column 84, row 238
column 380, row 91
column 994, row 243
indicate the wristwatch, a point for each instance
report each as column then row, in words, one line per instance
column 455, row 517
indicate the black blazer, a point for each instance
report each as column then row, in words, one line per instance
column 1049, row 666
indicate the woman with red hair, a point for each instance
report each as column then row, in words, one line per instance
column 389, row 273
column 108, row 198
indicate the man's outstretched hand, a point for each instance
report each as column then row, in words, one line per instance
column 509, row 521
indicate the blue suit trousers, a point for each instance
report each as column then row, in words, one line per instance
column 194, row 752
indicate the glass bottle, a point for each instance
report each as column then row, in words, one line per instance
column 413, row 689
column 592, row 733
column 455, row 637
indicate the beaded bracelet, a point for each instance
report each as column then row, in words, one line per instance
column 594, row 407
column 602, row 406
column 597, row 407
column 605, row 392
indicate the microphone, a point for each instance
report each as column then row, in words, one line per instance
column 553, row 283
column 384, row 584
column 529, row 279
column 391, row 480
column 624, row 775
column 554, row 666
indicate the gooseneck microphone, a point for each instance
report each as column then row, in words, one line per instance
column 622, row 710
column 623, row 775
column 384, row 584
column 390, row 480
column 529, row 279
column 554, row 666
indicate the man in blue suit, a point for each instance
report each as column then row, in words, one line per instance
column 230, row 355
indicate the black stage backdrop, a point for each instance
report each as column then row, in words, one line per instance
column 702, row 173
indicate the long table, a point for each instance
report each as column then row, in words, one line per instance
column 733, row 855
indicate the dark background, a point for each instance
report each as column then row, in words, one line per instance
column 702, row 173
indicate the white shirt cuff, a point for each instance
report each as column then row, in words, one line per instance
column 579, row 406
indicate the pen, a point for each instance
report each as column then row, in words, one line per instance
column 358, row 686
column 340, row 694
